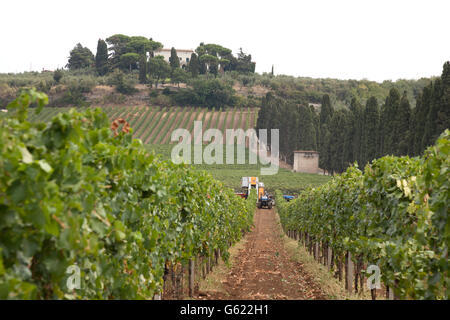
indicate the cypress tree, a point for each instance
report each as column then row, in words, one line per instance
column 174, row 61
column 143, row 69
column 324, row 155
column 389, row 130
column 443, row 116
column 356, row 133
column 402, row 125
column 307, row 130
column 371, row 124
column 101, row 58
column 326, row 111
column 193, row 65
column 336, row 142
column 316, row 121
column 420, row 118
column 431, row 132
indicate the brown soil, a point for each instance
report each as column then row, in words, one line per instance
column 244, row 115
column 173, row 113
column 212, row 123
column 185, row 121
column 251, row 121
column 180, row 114
column 194, row 118
column 205, row 122
column 237, row 119
column 156, row 129
column 221, row 123
column 228, row 121
column 257, row 91
column 264, row 270
column 148, row 116
column 149, row 124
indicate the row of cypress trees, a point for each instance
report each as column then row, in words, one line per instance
column 360, row 133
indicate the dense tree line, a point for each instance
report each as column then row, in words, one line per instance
column 360, row 133
column 140, row 53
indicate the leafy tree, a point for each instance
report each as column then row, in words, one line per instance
column 223, row 63
column 210, row 61
column 118, row 46
column 178, row 76
column 80, row 57
column 121, row 44
column 158, row 69
column 244, row 63
column 154, row 46
column 123, row 83
column 214, row 93
column 139, row 45
column 129, row 60
column 101, row 57
column 57, row 75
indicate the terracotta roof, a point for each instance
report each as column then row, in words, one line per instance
column 184, row 50
column 306, row 151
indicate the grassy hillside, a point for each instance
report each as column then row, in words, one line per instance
column 153, row 125
column 231, row 174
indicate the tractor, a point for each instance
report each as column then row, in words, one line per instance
column 263, row 199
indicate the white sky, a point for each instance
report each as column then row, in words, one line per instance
column 345, row 39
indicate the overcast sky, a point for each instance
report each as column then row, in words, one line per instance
column 343, row 39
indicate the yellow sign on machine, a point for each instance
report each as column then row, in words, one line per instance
column 263, row 199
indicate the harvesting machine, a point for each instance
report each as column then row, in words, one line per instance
column 263, row 199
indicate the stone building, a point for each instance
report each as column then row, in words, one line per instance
column 183, row 55
column 306, row 161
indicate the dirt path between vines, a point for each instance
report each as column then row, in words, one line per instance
column 264, row 270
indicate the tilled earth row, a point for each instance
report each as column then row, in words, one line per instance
column 264, row 270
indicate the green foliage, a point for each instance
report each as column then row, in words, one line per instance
column 295, row 122
column 74, row 193
column 371, row 124
column 57, row 75
column 143, row 69
column 74, row 93
column 80, row 57
column 129, row 60
column 178, row 76
column 158, row 69
column 123, row 83
column 394, row 214
column 193, row 65
column 207, row 93
column 230, row 174
column 101, row 58
column 121, row 44
column 173, row 59
column 213, row 56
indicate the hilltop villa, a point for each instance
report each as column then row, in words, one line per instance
column 183, row 55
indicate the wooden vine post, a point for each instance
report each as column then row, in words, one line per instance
column 191, row 277
column 349, row 270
